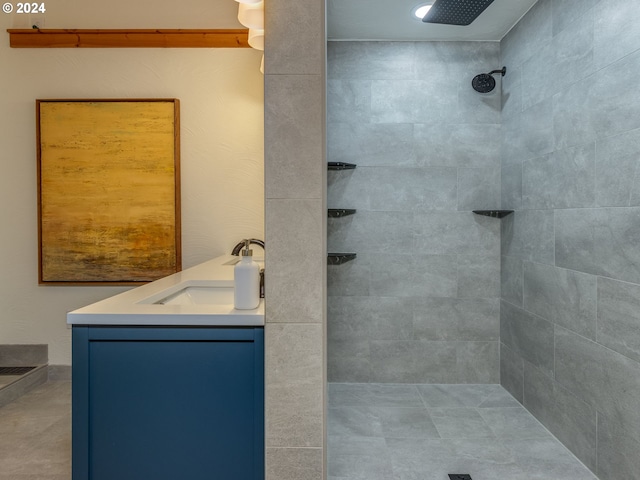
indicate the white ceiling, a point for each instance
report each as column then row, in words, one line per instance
column 393, row 20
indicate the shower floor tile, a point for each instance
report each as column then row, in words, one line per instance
column 460, row 423
column 424, row 432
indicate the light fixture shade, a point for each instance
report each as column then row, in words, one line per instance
column 262, row 65
column 251, row 16
column 248, row 2
column 256, row 39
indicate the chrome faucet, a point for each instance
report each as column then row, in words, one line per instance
column 238, row 247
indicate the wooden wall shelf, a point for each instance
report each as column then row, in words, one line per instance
column 52, row 38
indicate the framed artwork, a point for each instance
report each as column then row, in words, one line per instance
column 108, row 191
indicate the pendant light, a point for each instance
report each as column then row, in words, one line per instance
column 251, row 16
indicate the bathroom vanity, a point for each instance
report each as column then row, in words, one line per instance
column 168, row 381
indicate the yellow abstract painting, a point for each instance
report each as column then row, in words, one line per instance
column 108, row 190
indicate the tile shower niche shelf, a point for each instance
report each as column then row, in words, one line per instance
column 341, row 212
column 340, row 258
column 493, row 213
column 341, row 166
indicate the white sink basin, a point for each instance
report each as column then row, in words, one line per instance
column 199, row 295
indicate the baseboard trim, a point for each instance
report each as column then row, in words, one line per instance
column 26, row 383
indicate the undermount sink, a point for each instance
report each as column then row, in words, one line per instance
column 233, row 261
column 199, row 295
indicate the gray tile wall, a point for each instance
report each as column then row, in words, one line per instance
column 420, row 304
column 570, row 270
column 295, row 235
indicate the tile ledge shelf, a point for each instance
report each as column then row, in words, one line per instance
column 341, row 166
column 493, row 213
column 341, row 212
column 340, row 258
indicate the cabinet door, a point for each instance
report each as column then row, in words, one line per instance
column 179, row 408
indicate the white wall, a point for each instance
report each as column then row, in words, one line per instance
column 221, row 102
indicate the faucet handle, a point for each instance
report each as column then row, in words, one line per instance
column 262, row 283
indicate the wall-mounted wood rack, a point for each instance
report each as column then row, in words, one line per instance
column 72, row 38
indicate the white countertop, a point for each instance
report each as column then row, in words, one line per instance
column 137, row 307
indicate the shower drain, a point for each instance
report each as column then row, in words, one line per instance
column 459, row 476
column 15, row 370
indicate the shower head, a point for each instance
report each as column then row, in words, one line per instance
column 456, row 12
column 485, row 83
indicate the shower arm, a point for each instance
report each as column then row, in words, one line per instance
column 502, row 71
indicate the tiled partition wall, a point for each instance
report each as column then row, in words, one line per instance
column 295, row 230
column 570, row 316
column 420, row 304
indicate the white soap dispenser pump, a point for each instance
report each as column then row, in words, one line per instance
column 246, row 281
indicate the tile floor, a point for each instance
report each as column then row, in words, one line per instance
column 35, row 435
column 424, row 432
column 376, row 432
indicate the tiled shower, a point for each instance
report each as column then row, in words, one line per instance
column 545, row 301
column 420, row 303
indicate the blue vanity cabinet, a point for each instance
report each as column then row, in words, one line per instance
column 168, row 403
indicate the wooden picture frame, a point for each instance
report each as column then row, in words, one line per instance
column 108, row 191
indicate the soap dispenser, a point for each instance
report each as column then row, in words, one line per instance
column 246, row 280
